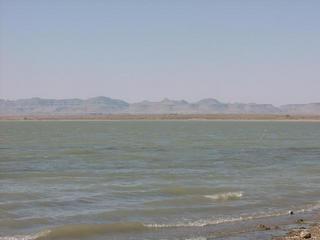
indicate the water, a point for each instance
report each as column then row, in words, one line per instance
column 153, row 179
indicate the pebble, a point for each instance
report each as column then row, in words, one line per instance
column 300, row 221
column 263, row 227
column 305, row 234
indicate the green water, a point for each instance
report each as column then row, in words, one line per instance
column 151, row 179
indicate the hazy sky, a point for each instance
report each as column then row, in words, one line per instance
column 235, row 51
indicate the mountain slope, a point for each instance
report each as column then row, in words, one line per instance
column 105, row 105
column 311, row 108
column 97, row 105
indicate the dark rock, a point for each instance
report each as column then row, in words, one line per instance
column 300, row 221
column 305, row 234
column 263, row 227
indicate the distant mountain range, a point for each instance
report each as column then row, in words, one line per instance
column 105, row 105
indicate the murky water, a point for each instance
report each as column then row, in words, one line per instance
column 152, row 179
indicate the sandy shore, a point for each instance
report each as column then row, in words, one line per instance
column 210, row 117
column 311, row 232
column 287, row 227
column 304, row 227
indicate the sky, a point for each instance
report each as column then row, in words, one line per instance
column 234, row 51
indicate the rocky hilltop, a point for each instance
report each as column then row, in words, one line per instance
column 105, row 105
column 97, row 105
column 303, row 109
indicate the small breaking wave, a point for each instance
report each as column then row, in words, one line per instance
column 86, row 230
column 207, row 222
column 27, row 237
column 225, row 196
column 260, row 215
column 81, row 231
column 182, row 191
column 197, row 238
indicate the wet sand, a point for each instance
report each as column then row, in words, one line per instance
column 297, row 226
column 305, row 226
column 310, row 232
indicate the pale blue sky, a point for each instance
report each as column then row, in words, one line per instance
column 235, row 51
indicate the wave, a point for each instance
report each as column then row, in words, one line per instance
column 195, row 200
column 225, row 196
column 27, row 237
column 81, row 230
column 197, row 238
column 79, row 151
column 260, row 215
column 87, row 230
column 181, row 191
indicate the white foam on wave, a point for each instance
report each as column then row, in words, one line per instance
column 206, row 222
column 196, row 238
column 26, row 237
column 308, row 208
column 199, row 223
column 225, row 196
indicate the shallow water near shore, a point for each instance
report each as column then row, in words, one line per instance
column 154, row 179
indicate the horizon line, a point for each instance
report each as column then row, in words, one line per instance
column 155, row 101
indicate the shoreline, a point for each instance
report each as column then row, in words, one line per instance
column 281, row 227
column 164, row 117
column 302, row 230
column 312, row 232
column 298, row 226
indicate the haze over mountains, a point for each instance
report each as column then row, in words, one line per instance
column 105, row 105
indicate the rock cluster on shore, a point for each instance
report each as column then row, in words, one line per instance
column 312, row 233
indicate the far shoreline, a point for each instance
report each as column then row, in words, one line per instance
column 164, row 117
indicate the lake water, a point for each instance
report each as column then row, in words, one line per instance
column 153, row 179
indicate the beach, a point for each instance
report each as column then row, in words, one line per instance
column 159, row 120
column 310, row 231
